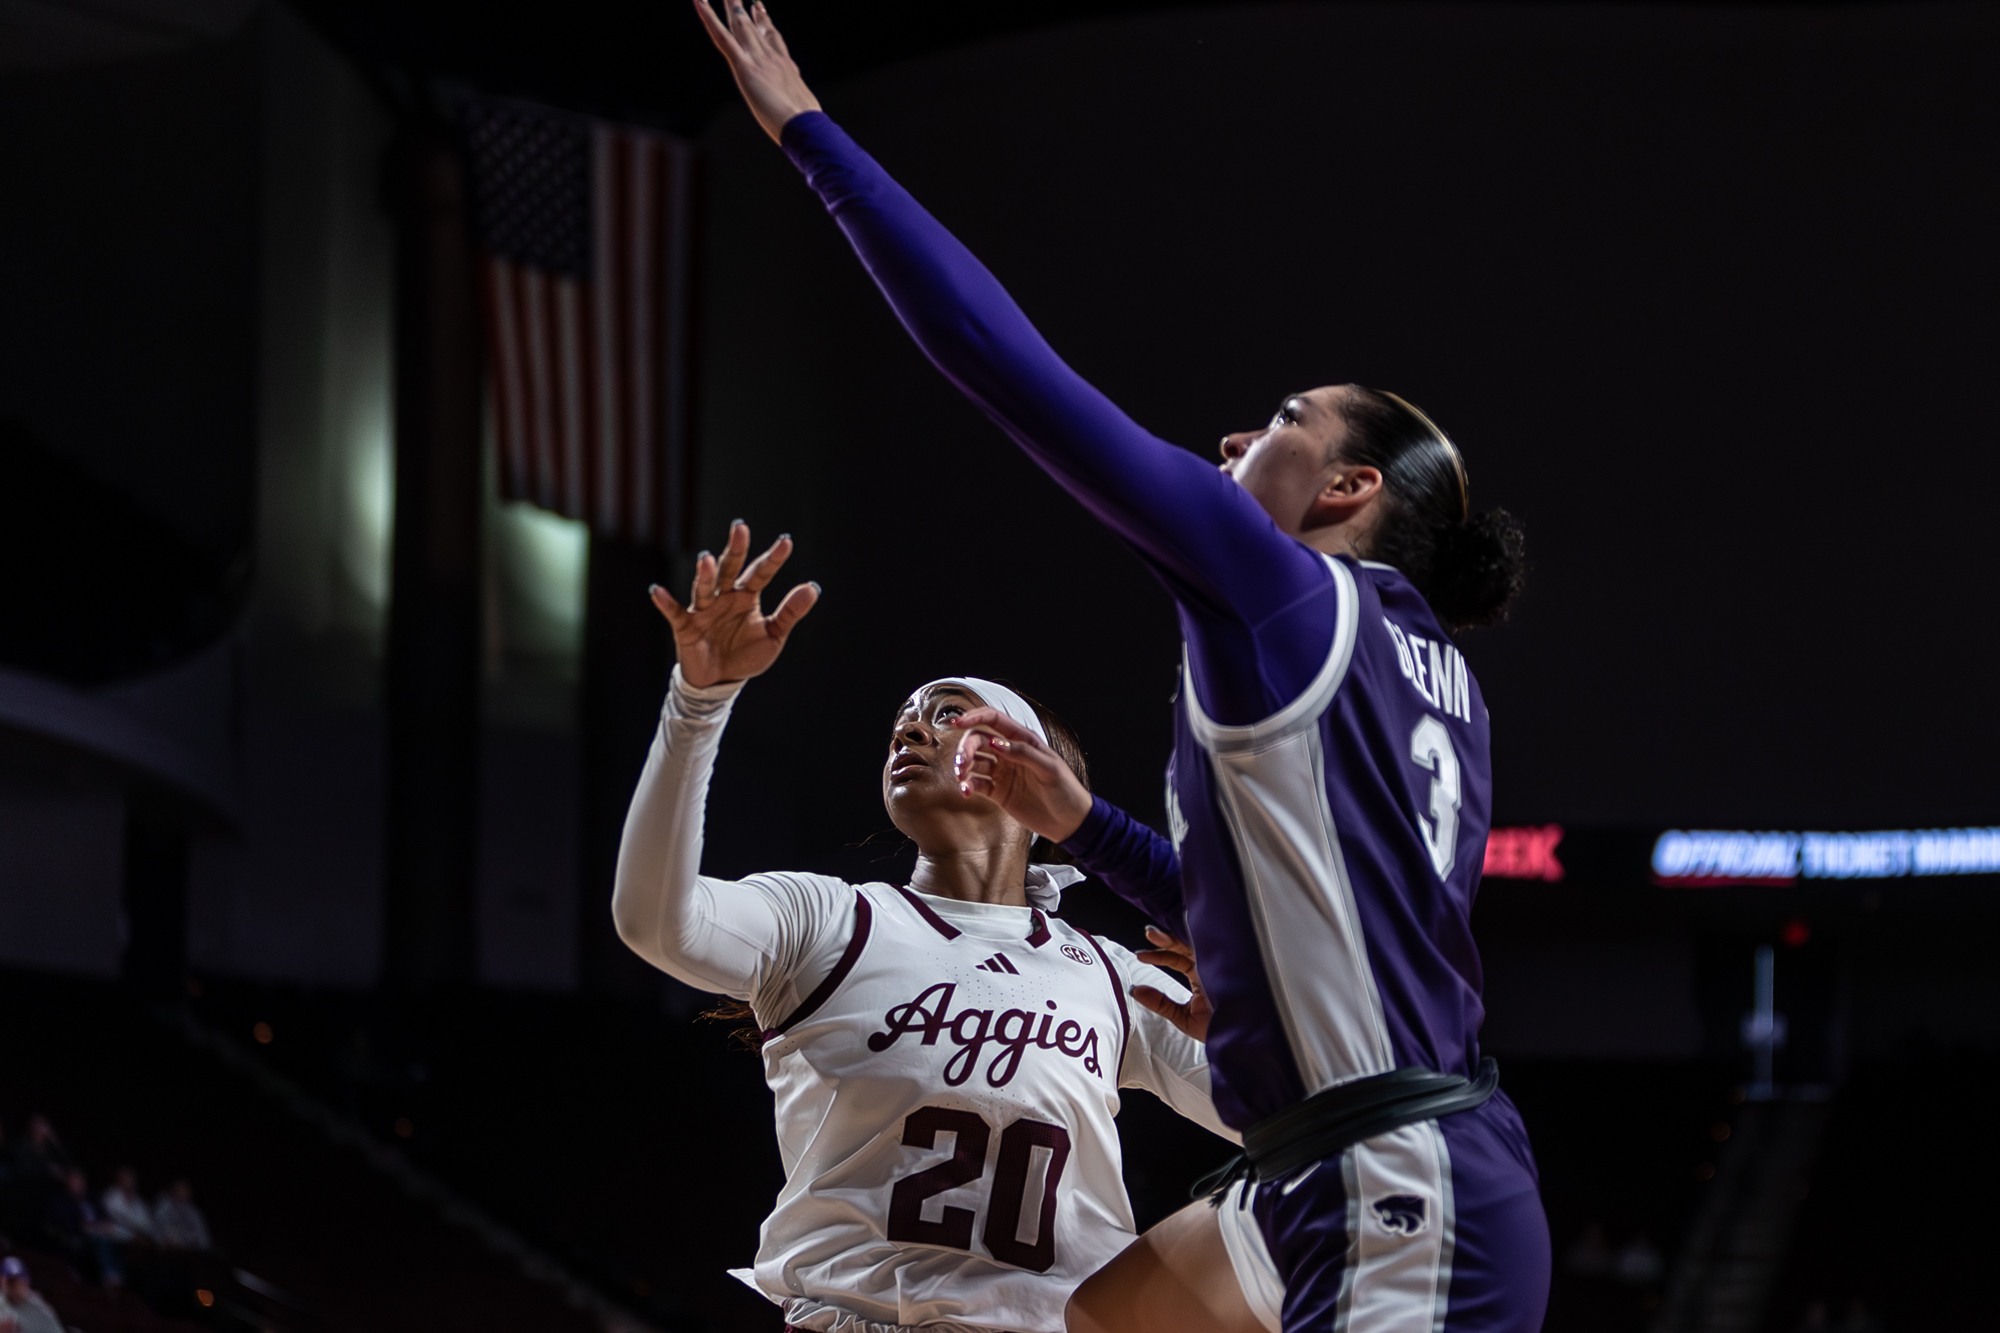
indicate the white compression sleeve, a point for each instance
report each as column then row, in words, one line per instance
column 739, row 938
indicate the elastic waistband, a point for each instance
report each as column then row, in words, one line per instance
column 1334, row 1120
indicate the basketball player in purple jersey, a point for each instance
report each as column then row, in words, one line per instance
column 1329, row 794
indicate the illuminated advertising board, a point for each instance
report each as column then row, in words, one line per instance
column 1524, row 853
column 1700, row 858
column 1705, row 857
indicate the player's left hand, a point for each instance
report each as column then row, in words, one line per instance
column 1191, row 1015
column 721, row 633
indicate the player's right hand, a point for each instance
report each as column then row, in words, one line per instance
column 1002, row 760
column 765, row 73
column 722, row 633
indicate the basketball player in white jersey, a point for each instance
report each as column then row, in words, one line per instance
column 946, row 1055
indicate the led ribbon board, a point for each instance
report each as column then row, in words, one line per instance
column 1692, row 859
column 1524, row 853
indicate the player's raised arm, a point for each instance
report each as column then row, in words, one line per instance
column 713, row 935
column 1211, row 541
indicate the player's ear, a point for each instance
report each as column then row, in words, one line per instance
column 1345, row 495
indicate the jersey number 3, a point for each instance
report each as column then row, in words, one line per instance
column 1430, row 746
column 967, row 1163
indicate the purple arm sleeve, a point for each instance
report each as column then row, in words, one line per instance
column 1256, row 606
column 1138, row 864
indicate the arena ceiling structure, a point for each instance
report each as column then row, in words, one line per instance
column 650, row 63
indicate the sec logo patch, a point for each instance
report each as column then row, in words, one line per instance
column 1071, row 951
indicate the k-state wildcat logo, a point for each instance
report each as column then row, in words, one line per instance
column 1401, row 1214
column 1013, row 1032
column 1076, row 954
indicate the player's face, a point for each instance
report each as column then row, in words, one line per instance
column 917, row 781
column 922, row 742
column 1285, row 465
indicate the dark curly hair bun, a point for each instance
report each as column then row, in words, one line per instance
column 1467, row 567
column 1477, row 569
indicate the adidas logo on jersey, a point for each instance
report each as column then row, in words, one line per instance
column 998, row 963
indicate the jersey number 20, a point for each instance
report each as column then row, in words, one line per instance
column 1430, row 746
column 967, row 1164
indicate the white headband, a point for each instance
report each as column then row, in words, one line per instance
column 998, row 696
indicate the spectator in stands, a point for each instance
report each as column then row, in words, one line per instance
column 38, row 1163
column 177, row 1222
column 81, row 1230
column 63, row 1217
column 41, row 1155
column 16, row 1207
column 31, row 1313
column 124, row 1209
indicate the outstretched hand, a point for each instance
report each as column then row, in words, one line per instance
column 765, row 74
column 1002, row 760
column 1190, row 1016
column 722, row 633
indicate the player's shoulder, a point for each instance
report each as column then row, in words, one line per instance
column 1118, row 953
column 802, row 885
column 1409, row 655
column 1382, row 584
column 1117, row 957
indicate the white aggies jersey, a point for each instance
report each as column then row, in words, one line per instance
column 945, row 1103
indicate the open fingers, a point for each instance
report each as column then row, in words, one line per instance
column 664, row 602
column 1162, row 958
column 990, row 719
column 734, row 552
column 1174, row 1011
column 980, row 754
column 793, row 609
column 761, row 570
column 701, row 593
column 725, row 41
column 770, row 30
column 974, row 762
column 742, row 26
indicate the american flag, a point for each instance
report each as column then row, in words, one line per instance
column 584, row 271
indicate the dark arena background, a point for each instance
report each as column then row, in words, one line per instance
column 317, row 722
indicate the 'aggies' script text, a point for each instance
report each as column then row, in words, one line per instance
column 971, row 1029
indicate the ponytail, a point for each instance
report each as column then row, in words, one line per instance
column 1469, row 567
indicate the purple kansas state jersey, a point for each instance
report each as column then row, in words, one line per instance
column 1330, row 854
column 1330, row 791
